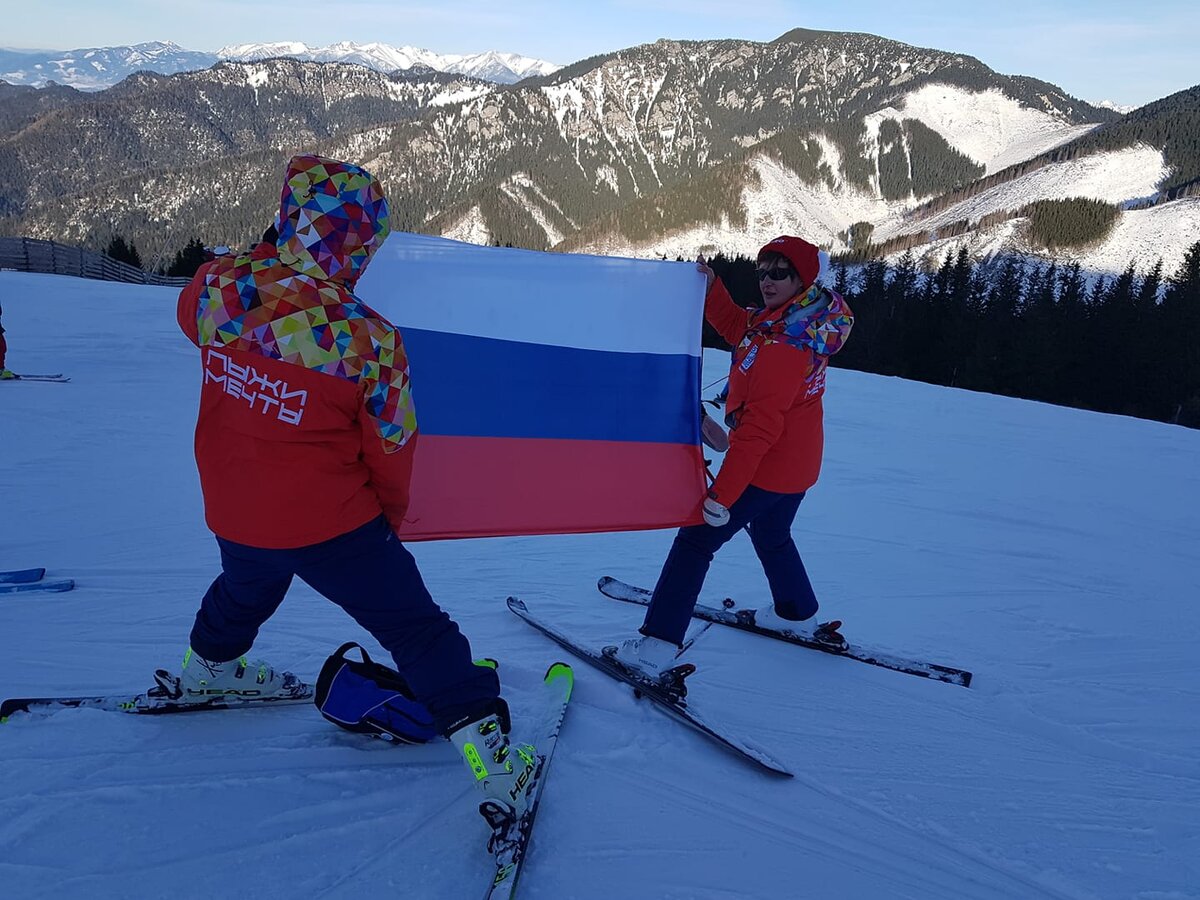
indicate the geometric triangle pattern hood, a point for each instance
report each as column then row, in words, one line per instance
column 332, row 217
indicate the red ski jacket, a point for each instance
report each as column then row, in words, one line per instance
column 776, row 382
column 306, row 427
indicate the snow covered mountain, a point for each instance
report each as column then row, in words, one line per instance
column 666, row 148
column 972, row 529
column 1115, row 107
column 502, row 68
column 97, row 68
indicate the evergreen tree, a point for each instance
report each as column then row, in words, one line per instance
column 188, row 260
column 997, row 362
column 124, row 252
column 898, row 333
column 841, row 279
column 1180, row 333
column 1070, row 384
column 1042, row 336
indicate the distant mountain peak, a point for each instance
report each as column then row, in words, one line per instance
column 97, row 68
column 490, row 65
column 1115, row 107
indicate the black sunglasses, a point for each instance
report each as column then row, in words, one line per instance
column 781, row 273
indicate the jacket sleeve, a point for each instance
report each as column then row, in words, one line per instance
column 775, row 379
column 723, row 314
column 390, row 473
column 189, row 301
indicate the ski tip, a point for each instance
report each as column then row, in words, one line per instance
column 517, row 604
column 605, row 581
column 560, row 671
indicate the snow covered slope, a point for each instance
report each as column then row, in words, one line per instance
column 1049, row 550
column 989, row 126
column 1115, row 177
column 782, row 203
column 1140, row 236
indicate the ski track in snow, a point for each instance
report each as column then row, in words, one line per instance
column 1000, row 535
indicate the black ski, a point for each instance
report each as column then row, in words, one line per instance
column 670, row 701
column 743, row 619
column 154, row 702
column 22, row 576
column 509, row 845
column 60, row 378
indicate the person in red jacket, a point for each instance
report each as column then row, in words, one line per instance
column 4, row 373
column 774, row 412
column 304, row 444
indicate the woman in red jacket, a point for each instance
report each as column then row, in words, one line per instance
column 774, row 412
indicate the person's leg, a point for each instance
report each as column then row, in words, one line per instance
column 370, row 574
column 771, row 534
column 252, row 584
column 691, row 554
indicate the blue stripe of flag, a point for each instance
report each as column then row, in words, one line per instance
column 467, row 386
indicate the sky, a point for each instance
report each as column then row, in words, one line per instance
column 1095, row 49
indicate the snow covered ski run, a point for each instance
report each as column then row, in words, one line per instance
column 671, row 698
column 156, row 701
column 509, row 845
column 22, row 576
column 58, row 377
column 743, row 619
column 30, row 585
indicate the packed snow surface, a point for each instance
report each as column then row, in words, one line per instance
column 1049, row 550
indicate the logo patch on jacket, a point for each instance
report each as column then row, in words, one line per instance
column 748, row 361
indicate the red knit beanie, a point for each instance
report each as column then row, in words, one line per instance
column 804, row 257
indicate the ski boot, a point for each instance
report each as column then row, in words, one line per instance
column 504, row 772
column 824, row 633
column 202, row 680
column 655, row 662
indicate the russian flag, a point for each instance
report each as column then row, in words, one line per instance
column 554, row 393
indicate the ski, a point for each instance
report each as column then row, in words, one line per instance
column 19, row 587
column 153, row 702
column 61, row 379
column 22, row 576
column 673, row 702
column 743, row 619
column 509, row 845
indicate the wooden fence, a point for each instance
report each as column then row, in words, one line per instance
column 32, row 255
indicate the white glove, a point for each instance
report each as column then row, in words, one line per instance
column 715, row 514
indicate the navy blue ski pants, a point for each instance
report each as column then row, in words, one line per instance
column 768, row 517
column 372, row 576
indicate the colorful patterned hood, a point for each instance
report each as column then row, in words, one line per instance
column 819, row 319
column 333, row 216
